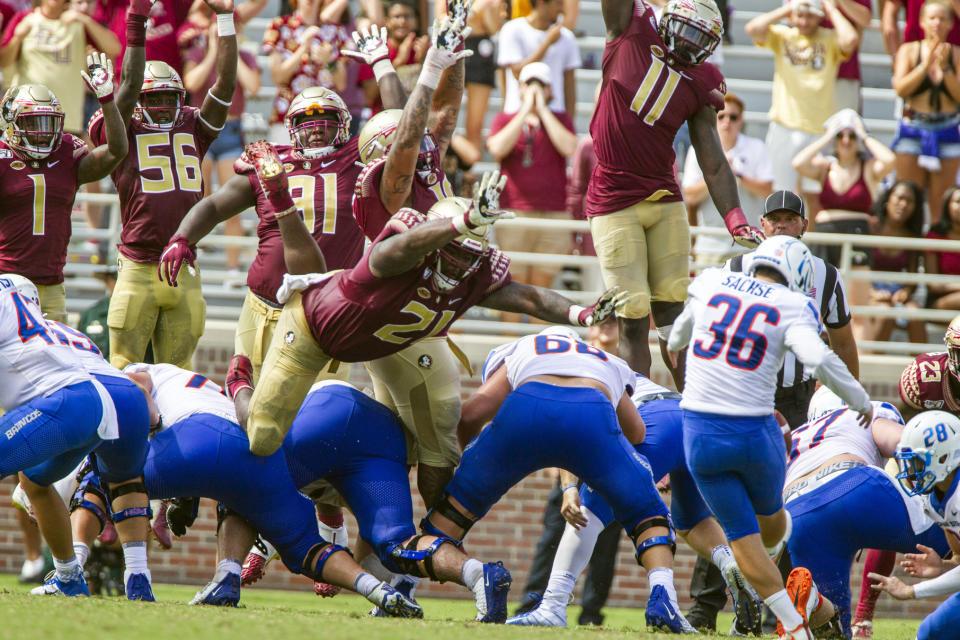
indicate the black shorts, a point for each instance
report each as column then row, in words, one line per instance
column 481, row 67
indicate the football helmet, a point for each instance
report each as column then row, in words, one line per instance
column 561, row 332
column 376, row 137
column 789, row 257
column 307, row 114
column 823, row 402
column 691, row 29
column 952, row 340
column 33, row 120
column 160, row 78
column 928, row 451
column 24, row 287
column 460, row 258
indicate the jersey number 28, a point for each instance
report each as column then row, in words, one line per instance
column 743, row 335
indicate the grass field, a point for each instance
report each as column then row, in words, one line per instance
column 286, row 615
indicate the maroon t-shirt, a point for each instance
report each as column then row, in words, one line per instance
column 37, row 198
column 536, row 172
column 925, row 384
column 356, row 316
column 164, row 21
column 193, row 44
column 849, row 68
column 643, row 103
column 322, row 189
column 158, row 181
column 368, row 207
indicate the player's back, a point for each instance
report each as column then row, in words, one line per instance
column 558, row 351
column 85, row 350
column 32, row 362
column 925, row 383
column 179, row 393
column 741, row 328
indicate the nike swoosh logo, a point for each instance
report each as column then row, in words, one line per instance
column 50, row 164
column 324, row 165
column 454, row 300
column 673, row 616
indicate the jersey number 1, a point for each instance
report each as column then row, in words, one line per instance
column 643, row 94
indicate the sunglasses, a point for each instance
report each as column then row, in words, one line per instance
column 732, row 117
column 846, row 134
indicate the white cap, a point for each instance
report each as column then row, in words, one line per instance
column 813, row 6
column 842, row 120
column 535, row 71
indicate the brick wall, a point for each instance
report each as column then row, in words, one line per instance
column 509, row 533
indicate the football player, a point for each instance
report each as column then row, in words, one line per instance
column 41, row 168
column 738, row 327
column 655, row 78
column 932, row 380
column 928, row 456
column 587, row 515
column 158, row 182
column 421, row 274
column 841, row 501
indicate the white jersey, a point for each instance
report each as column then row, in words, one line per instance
column 560, row 353
column 945, row 513
column 737, row 329
column 836, row 433
column 85, row 349
column 644, row 386
column 179, row 393
column 32, row 362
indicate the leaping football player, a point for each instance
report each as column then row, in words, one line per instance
column 158, row 182
column 655, row 78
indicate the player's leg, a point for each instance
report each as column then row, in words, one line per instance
column 133, row 312
column 88, row 511
column 255, row 328
column 943, row 622
column 53, row 301
column 180, row 322
column 874, row 561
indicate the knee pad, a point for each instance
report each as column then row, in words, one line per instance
column 447, row 510
column 135, row 486
column 90, row 483
column 321, row 553
column 407, row 559
column 222, row 512
column 669, row 540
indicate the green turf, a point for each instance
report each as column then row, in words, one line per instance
column 286, row 615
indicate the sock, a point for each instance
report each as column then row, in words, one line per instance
column 881, row 562
column 413, row 581
column 576, row 547
column 229, row 565
column 559, row 590
column 334, row 534
column 722, row 557
column 67, row 569
column 372, row 564
column 365, row 584
column 82, row 552
column 783, row 608
column 471, row 573
column 135, row 557
column 663, row 576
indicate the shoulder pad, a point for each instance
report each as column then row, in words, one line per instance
column 909, row 385
column 368, row 182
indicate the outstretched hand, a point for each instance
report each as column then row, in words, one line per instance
column 371, row 45
column 99, row 75
column 894, row 586
column 611, row 301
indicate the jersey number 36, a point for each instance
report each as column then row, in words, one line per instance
column 743, row 335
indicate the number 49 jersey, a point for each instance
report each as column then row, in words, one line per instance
column 179, row 393
column 643, row 103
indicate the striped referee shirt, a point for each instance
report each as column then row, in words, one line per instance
column 830, row 299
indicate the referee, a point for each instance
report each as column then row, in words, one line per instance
column 783, row 214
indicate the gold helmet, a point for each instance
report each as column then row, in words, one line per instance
column 160, row 78
column 377, row 135
column 952, row 340
column 307, row 113
column 33, row 120
column 460, row 258
column 691, row 29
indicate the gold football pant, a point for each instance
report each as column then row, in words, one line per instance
column 53, row 301
column 144, row 308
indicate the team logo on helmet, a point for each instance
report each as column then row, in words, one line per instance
column 318, row 121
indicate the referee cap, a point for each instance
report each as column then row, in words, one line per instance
column 784, row 201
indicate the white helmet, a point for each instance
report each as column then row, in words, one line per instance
column 691, row 29
column 823, row 402
column 789, row 257
column 24, row 287
column 928, row 451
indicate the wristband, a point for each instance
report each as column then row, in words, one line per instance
column 573, row 314
column 382, row 67
column 218, row 100
column 462, row 224
column 735, row 218
column 281, row 202
column 107, row 99
column 569, row 486
column 136, row 30
column 225, row 26
column 285, row 212
column 429, row 78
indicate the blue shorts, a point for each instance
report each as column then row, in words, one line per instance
column 663, row 449
column 123, row 458
column 207, row 456
column 357, row 445
column 859, row 509
column 47, row 437
column 739, row 464
column 540, row 426
column 935, row 139
column 943, row 623
column 229, row 144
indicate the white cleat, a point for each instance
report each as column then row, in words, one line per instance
column 541, row 616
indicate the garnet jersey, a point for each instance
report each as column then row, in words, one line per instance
column 643, row 103
column 32, row 362
column 322, row 189
column 158, row 181
column 559, row 352
column 925, row 384
column 179, row 393
column 368, row 209
column 356, row 316
column 37, row 198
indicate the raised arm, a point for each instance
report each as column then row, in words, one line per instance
column 10, row 51
column 134, row 59
column 616, row 16
column 103, row 159
column 445, row 107
column 216, row 104
column 758, row 28
column 848, row 38
column 809, row 162
column 372, row 50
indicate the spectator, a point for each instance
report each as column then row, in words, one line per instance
column 807, row 58
column 48, row 46
column 581, row 168
column 407, row 50
column 890, row 16
column 847, row 91
column 304, row 49
column 570, row 11
column 539, row 37
column 532, row 146
column 945, row 296
column 751, row 165
column 899, row 212
column 163, row 25
column 926, row 74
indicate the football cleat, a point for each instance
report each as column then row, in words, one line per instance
column 160, row 527
column 492, row 600
column 405, row 587
column 862, row 630
column 54, row 586
column 32, row 570
column 541, row 616
column 325, row 589
column 662, row 615
column 746, row 602
column 138, row 587
column 255, row 565
column 222, row 591
column 393, row 603
column 806, row 599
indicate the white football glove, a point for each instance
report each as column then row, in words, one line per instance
column 447, row 35
column 371, row 45
column 100, row 76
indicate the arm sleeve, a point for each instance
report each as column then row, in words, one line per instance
column 683, row 326
column 909, row 386
column 942, row 585
column 805, row 342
